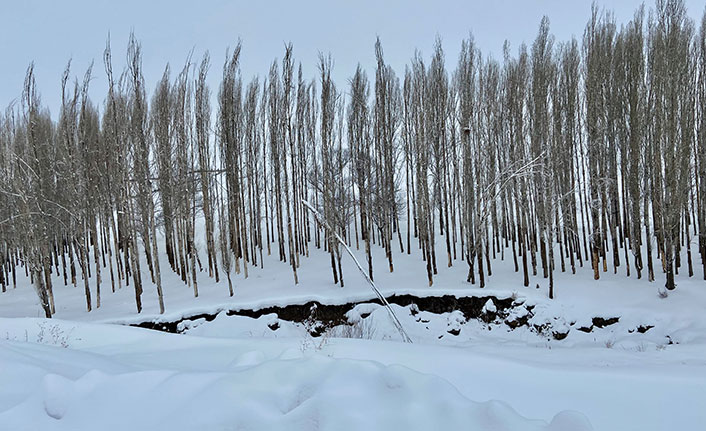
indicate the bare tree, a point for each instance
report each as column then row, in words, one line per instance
column 671, row 91
column 202, row 113
column 359, row 142
column 386, row 119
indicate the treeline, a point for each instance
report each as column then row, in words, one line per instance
column 560, row 155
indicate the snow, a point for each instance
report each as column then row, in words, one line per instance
column 489, row 307
column 150, row 380
column 647, row 371
column 240, row 372
column 455, row 320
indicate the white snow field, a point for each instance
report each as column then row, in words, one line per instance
column 148, row 380
column 86, row 371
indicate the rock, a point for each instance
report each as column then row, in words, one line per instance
column 454, row 322
column 489, row 311
column 489, row 307
column 518, row 317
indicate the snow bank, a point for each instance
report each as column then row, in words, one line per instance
column 150, row 380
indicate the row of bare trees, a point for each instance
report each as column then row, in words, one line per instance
column 561, row 155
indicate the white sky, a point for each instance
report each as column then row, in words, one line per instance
column 51, row 32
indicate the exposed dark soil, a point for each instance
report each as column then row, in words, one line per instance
column 319, row 317
column 600, row 322
column 333, row 315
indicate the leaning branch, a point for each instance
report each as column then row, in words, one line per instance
column 395, row 320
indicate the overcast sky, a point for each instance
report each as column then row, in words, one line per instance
column 52, row 32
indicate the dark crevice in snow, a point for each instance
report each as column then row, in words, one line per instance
column 327, row 316
column 318, row 317
column 600, row 322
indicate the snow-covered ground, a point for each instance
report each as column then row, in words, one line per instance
column 83, row 371
column 125, row 378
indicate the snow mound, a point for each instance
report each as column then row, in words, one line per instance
column 489, row 307
column 455, row 320
column 158, row 381
column 569, row 420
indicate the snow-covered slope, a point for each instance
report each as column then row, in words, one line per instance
column 156, row 381
column 70, row 375
column 89, row 372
